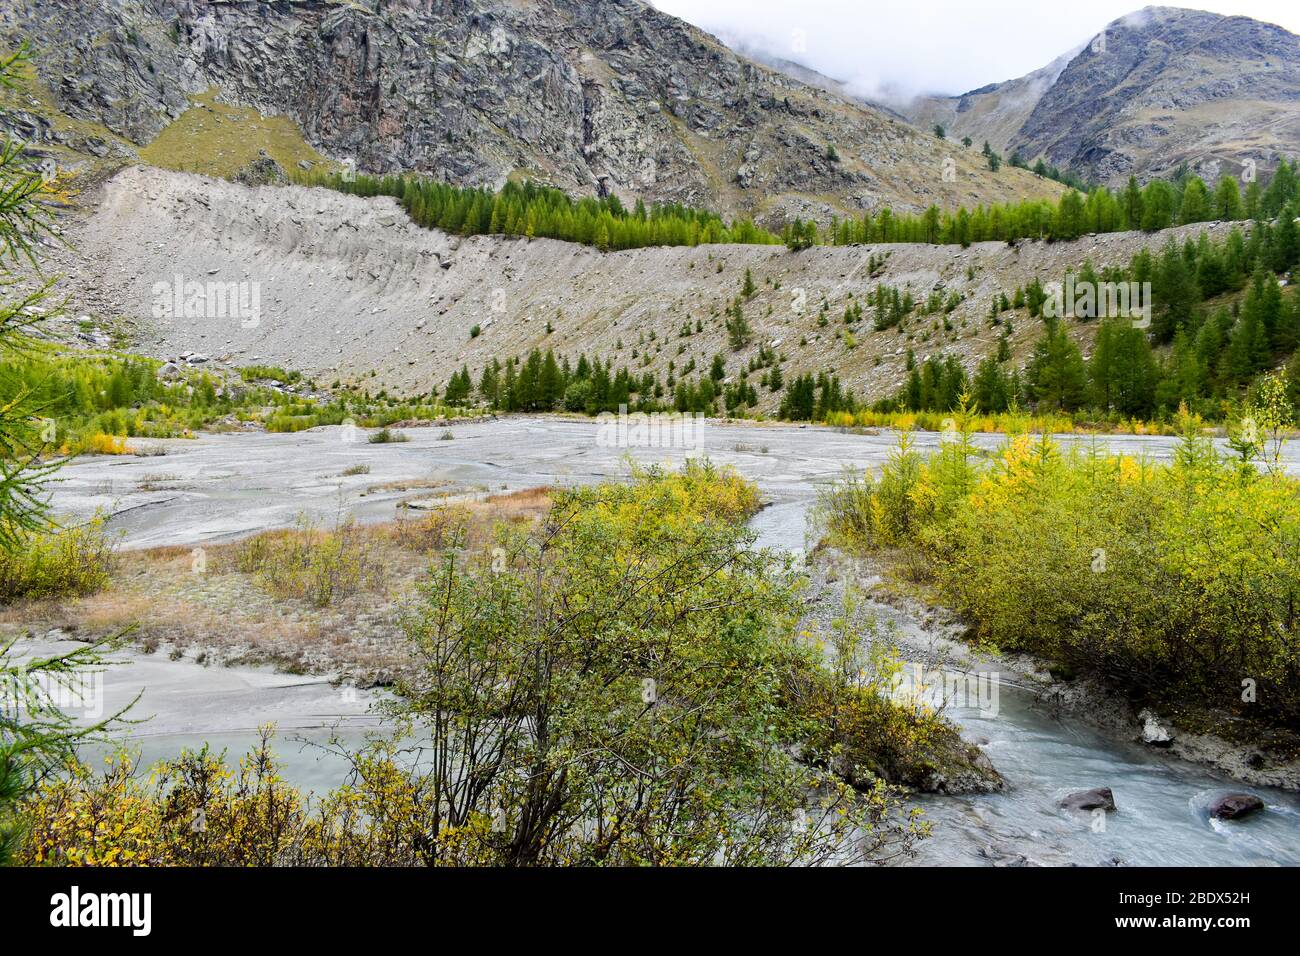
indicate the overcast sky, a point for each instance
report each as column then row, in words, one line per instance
column 895, row 49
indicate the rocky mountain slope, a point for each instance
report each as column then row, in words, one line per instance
column 1158, row 88
column 348, row 287
column 589, row 95
column 994, row 113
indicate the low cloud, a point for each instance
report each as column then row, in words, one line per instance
column 892, row 53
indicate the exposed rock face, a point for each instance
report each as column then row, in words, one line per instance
column 1155, row 89
column 964, row 768
column 263, row 171
column 590, row 95
column 993, row 113
column 955, row 768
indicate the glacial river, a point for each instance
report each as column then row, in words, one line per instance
column 222, row 487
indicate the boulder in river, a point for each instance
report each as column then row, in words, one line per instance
column 961, row 768
column 1230, row 806
column 1098, row 798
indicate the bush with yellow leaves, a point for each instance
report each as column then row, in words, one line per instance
column 1177, row 582
column 197, row 811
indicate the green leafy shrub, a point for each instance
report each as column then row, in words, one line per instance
column 638, row 626
column 71, row 561
column 267, row 373
column 387, row 436
column 1178, row 583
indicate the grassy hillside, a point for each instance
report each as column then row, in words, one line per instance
column 217, row 139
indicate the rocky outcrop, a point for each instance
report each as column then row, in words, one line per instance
column 962, row 768
column 1166, row 86
column 993, row 113
column 947, row 764
column 1154, row 734
column 607, row 96
column 263, row 171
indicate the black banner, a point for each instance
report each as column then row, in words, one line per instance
column 351, row 906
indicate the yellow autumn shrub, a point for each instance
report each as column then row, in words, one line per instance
column 1178, row 582
column 102, row 444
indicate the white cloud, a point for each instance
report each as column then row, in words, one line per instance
column 893, row 51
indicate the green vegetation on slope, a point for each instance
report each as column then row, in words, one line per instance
column 1220, row 308
column 219, row 140
column 1158, row 205
column 1218, row 311
column 539, row 211
column 533, row 210
column 541, row 382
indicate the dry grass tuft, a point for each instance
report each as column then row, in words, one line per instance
column 304, row 599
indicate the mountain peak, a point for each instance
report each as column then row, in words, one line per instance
column 1155, row 89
